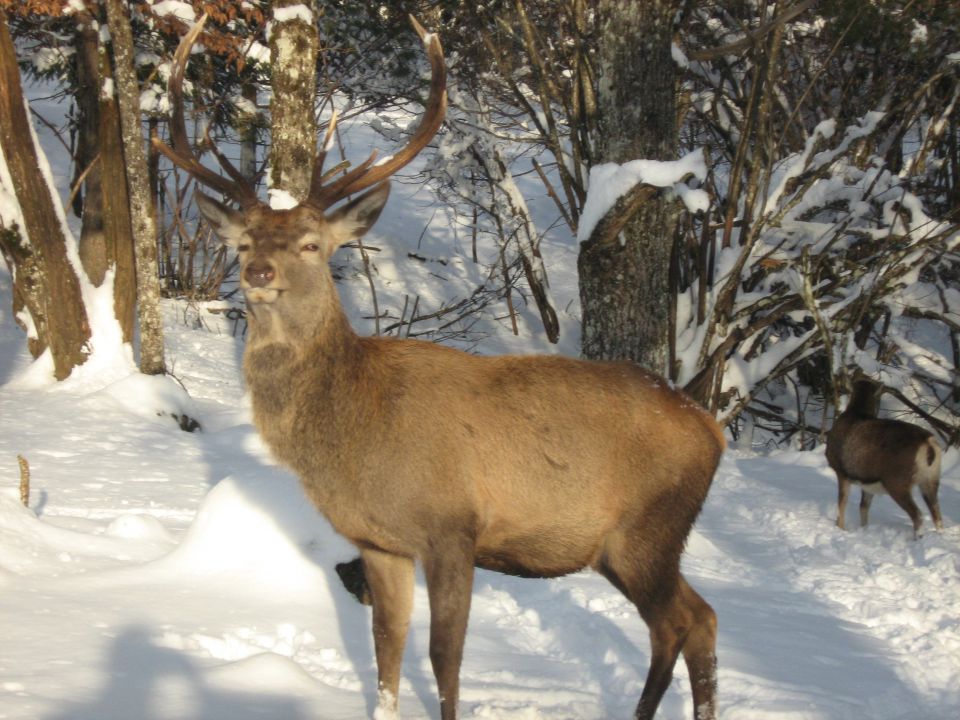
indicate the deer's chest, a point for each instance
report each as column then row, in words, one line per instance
column 362, row 516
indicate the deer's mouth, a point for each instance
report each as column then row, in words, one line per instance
column 262, row 295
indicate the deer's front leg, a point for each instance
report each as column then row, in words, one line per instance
column 449, row 574
column 390, row 579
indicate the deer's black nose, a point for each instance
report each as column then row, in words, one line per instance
column 259, row 274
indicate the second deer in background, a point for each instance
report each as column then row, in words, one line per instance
column 883, row 457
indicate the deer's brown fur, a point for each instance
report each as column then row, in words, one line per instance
column 882, row 457
column 537, row 466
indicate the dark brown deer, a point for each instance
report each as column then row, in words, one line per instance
column 882, row 457
column 534, row 466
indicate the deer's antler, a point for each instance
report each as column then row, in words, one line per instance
column 322, row 194
column 236, row 187
column 366, row 174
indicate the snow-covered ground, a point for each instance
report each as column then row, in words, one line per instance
column 161, row 574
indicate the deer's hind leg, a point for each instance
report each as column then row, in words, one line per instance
column 929, row 491
column 678, row 619
column 700, row 652
column 901, row 496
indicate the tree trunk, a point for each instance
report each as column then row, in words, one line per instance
column 247, row 131
column 88, row 204
column 45, row 282
column 106, row 238
column 293, row 58
column 624, row 288
column 143, row 222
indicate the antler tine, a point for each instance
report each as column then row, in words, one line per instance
column 367, row 174
column 319, row 176
column 181, row 154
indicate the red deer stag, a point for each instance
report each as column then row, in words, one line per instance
column 415, row 452
column 882, row 457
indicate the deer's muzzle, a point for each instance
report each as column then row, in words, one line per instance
column 259, row 274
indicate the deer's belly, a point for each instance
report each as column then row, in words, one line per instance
column 543, row 552
column 509, row 565
column 874, row 487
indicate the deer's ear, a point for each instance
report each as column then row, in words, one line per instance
column 355, row 218
column 226, row 222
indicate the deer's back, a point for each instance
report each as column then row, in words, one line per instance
column 871, row 450
column 555, row 414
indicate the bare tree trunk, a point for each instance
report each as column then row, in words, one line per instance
column 45, row 282
column 293, row 57
column 143, row 221
column 624, row 288
column 89, row 200
column 248, row 133
column 106, row 238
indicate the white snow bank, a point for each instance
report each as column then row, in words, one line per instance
column 30, row 546
column 138, row 526
column 152, row 396
column 254, row 532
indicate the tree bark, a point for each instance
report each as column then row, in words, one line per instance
column 294, row 44
column 143, row 222
column 106, row 238
column 624, row 284
column 248, row 133
column 45, row 282
column 88, row 203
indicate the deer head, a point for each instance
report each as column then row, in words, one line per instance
column 284, row 250
column 284, row 256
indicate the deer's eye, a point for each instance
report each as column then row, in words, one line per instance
column 242, row 248
column 310, row 247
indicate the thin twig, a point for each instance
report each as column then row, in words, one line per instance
column 79, row 182
column 509, row 294
column 413, row 315
column 373, row 289
column 553, row 196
